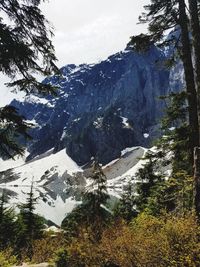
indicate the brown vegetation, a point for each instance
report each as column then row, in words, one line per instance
column 147, row 241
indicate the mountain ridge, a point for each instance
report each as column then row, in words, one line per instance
column 100, row 108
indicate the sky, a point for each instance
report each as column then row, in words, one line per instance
column 88, row 31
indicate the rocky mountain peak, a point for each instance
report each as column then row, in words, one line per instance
column 100, row 108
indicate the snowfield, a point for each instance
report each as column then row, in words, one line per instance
column 34, row 170
column 59, row 193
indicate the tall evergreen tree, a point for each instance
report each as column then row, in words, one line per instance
column 189, row 78
column 95, row 200
column 8, row 226
column 25, row 50
column 163, row 15
column 195, row 27
column 175, row 132
column 126, row 207
column 30, row 224
column 92, row 212
column 97, row 195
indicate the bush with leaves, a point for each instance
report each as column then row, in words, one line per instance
column 45, row 248
column 61, row 259
column 150, row 241
column 6, row 258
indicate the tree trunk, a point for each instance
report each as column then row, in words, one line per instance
column 195, row 27
column 197, row 180
column 189, row 79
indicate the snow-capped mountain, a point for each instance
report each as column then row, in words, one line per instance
column 100, row 109
column 109, row 110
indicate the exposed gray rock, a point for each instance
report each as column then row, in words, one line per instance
column 100, row 109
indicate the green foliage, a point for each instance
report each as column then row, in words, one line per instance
column 176, row 131
column 44, row 249
column 92, row 212
column 157, row 193
column 150, row 241
column 148, row 178
column 25, row 50
column 168, row 240
column 126, row 207
column 12, row 126
column 173, row 195
column 8, row 225
column 62, row 258
column 97, row 195
column 6, row 260
column 24, row 38
column 161, row 15
column 30, row 225
column 75, row 220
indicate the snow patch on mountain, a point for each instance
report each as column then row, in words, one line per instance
column 35, row 169
column 13, row 163
column 59, row 182
column 123, row 170
column 146, row 135
column 35, row 99
column 51, row 208
column 125, row 122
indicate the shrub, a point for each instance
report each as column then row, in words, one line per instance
column 61, row 259
column 45, row 248
column 150, row 241
column 6, row 260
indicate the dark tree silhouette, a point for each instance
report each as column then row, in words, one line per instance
column 25, row 50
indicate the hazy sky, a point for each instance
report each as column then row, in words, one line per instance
column 88, row 31
column 91, row 30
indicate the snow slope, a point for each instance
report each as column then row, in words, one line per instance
column 51, row 208
column 59, row 193
column 123, row 170
column 46, row 164
column 8, row 164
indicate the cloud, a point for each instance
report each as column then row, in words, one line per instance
column 88, row 30
column 92, row 42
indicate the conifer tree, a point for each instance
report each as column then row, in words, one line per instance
column 12, row 126
column 162, row 15
column 195, row 28
column 92, row 212
column 147, row 179
column 30, row 224
column 8, row 226
column 175, row 131
column 25, row 50
column 189, row 78
column 97, row 195
column 95, row 200
column 126, row 207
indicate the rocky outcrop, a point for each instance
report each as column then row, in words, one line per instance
column 100, row 109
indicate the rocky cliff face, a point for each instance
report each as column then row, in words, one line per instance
column 100, row 109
